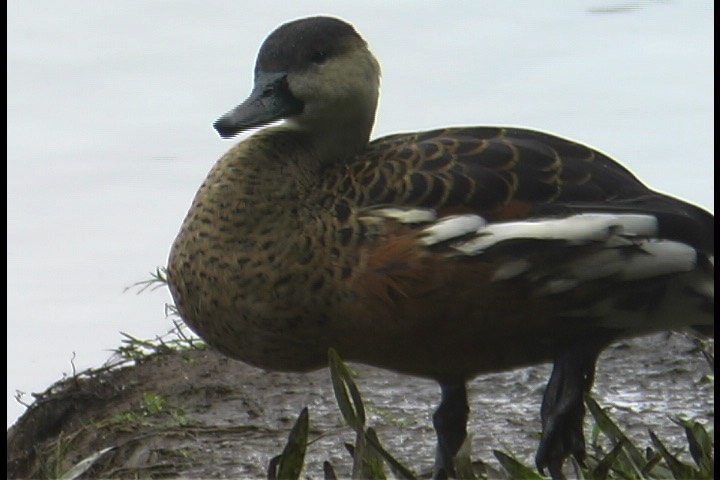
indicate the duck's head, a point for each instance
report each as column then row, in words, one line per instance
column 318, row 74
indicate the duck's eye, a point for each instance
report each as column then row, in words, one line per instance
column 319, row 57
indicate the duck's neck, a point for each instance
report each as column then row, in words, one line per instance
column 336, row 141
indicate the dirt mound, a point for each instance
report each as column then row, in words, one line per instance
column 197, row 414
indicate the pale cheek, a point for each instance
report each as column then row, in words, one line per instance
column 303, row 87
column 311, row 88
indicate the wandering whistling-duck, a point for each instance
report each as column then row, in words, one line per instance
column 443, row 254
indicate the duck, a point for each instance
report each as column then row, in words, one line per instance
column 444, row 254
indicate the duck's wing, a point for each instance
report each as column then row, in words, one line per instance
column 465, row 214
column 512, row 173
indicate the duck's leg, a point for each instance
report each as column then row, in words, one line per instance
column 450, row 421
column 563, row 408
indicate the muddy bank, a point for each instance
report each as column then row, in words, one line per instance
column 196, row 414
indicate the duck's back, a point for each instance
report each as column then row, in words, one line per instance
column 505, row 173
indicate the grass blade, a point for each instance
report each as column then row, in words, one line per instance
column 345, row 389
column 700, row 445
column 291, row 460
column 515, row 468
column 329, row 471
column 678, row 468
column 83, row 465
column 632, row 454
column 398, row 469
